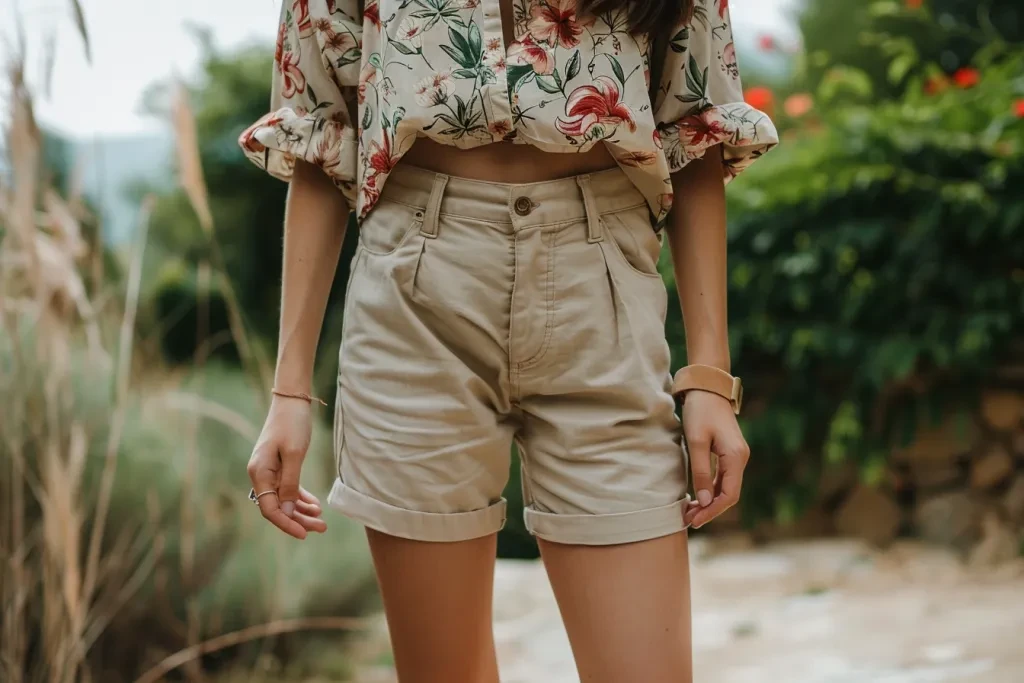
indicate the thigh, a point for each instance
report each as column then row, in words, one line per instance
column 626, row 608
column 437, row 599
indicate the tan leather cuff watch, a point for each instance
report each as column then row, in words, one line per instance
column 712, row 379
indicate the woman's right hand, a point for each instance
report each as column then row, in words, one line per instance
column 275, row 466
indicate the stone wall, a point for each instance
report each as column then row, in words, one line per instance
column 959, row 484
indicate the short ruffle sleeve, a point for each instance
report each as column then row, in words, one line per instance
column 700, row 98
column 315, row 81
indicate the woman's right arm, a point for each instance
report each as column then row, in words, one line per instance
column 315, row 219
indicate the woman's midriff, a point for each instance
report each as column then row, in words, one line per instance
column 505, row 162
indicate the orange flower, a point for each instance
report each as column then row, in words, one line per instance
column 798, row 104
column 967, row 77
column 637, row 158
column 760, row 98
column 913, row 4
column 1018, row 108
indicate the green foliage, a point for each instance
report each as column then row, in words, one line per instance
column 181, row 538
column 876, row 275
column 889, row 42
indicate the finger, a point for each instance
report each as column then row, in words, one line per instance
column 310, row 523
column 731, row 484
column 700, row 465
column 307, row 509
column 692, row 508
column 271, row 510
column 308, row 497
column 291, row 466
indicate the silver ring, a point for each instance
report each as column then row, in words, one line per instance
column 255, row 497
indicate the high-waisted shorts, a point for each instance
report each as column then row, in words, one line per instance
column 481, row 314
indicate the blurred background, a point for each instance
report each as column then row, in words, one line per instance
column 877, row 316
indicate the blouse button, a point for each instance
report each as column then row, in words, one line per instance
column 523, row 206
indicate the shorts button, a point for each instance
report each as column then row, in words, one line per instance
column 523, row 206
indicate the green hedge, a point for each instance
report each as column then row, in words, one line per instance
column 876, row 277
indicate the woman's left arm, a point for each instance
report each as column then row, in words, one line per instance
column 697, row 238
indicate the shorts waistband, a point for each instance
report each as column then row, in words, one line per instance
column 522, row 205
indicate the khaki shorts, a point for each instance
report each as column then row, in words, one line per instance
column 479, row 314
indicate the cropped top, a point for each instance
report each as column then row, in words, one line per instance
column 352, row 93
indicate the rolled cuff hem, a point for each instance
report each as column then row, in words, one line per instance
column 744, row 133
column 279, row 138
column 415, row 525
column 612, row 529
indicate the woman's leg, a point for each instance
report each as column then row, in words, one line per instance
column 626, row 608
column 437, row 599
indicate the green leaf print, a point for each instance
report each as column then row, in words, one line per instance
column 374, row 59
column 696, row 80
column 516, row 73
column 464, row 73
column 679, row 41
column 548, row 85
column 403, row 48
column 312, row 95
column 476, row 43
column 350, row 57
column 367, row 118
column 573, row 69
column 460, row 50
column 617, row 68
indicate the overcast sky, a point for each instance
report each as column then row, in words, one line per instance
column 137, row 42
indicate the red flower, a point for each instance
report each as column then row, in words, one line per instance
column 555, row 22
column 526, row 51
column 1018, row 108
column 723, row 7
column 766, row 42
column 699, row 128
column 300, row 10
column 913, row 4
column 380, row 159
column 294, row 80
column 594, row 105
column 760, row 98
column 967, row 77
column 282, row 36
column 372, row 13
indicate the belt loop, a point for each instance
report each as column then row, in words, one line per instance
column 594, row 233
column 432, row 213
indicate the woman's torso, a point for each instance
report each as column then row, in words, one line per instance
column 506, row 162
column 490, row 88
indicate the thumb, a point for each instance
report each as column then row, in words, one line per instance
column 700, row 466
column 288, row 491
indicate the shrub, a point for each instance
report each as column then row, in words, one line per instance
column 875, row 276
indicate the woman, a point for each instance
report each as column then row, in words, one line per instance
column 512, row 179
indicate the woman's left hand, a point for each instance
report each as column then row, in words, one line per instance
column 710, row 426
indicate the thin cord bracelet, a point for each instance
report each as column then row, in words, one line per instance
column 304, row 397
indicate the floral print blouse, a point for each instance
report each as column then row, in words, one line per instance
column 352, row 93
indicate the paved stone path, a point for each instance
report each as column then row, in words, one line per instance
column 808, row 612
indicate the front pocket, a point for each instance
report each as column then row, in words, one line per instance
column 635, row 241
column 388, row 226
